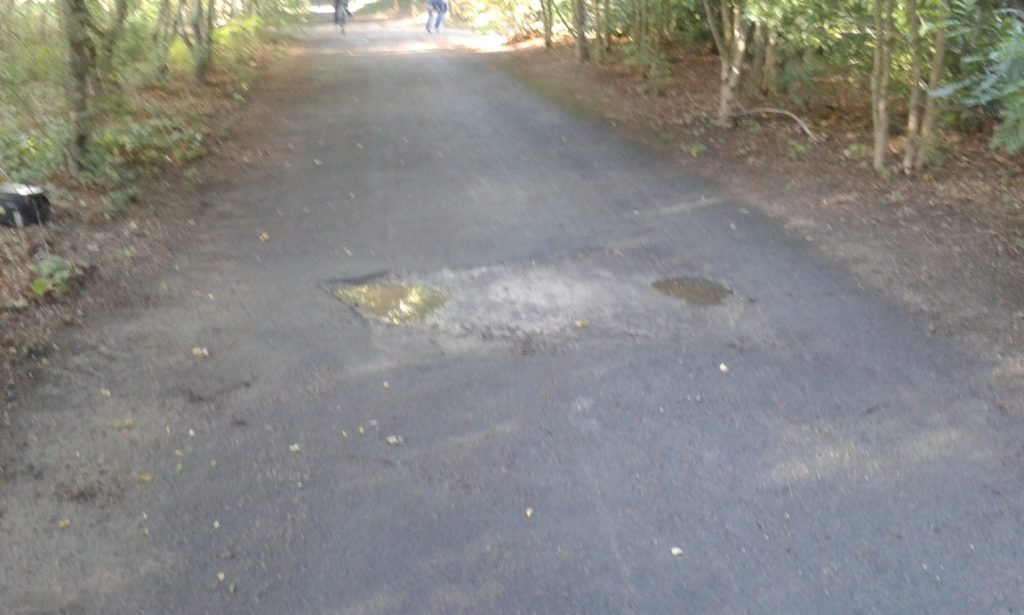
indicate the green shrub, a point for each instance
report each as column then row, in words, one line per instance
column 118, row 201
column 31, row 158
column 53, row 275
column 796, row 150
column 695, row 149
column 150, row 143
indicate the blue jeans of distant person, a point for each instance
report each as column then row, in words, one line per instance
column 435, row 14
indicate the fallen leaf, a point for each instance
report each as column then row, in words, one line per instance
column 395, row 441
column 216, row 525
column 264, row 236
column 529, row 513
column 295, row 448
column 722, row 367
column 213, row 463
column 361, row 430
column 64, row 524
column 105, row 392
column 220, row 577
column 318, row 162
column 178, row 469
column 344, row 434
column 582, row 324
column 145, row 479
column 126, row 424
column 200, row 352
column 676, row 552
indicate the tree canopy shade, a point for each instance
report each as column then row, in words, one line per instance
column 926, row 62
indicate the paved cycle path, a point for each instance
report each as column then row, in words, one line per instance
column 563, row 437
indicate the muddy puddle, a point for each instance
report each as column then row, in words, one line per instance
column 396, row 304
column 695, row 291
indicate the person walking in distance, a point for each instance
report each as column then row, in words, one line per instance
column 341, row 12
column 435, row 14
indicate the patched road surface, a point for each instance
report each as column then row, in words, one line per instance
column 610, row 389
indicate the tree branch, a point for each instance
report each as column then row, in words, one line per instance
column 714, row 31
column 773, row 111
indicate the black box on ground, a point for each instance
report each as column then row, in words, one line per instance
column 21, row 204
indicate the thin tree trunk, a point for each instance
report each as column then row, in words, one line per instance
column 579, row 16
column 81, row 64
column 914, row 106
column 931, row 104
column 561, row 18
column 760, row 45
column 598, row 30
column 739, row 51
column 770, row 83
column 164, row 35
column 730, row 34
column 883, row 19
column 110, row 39
column 640, row 25
column 547, row 14
column 607, row 25
column 202, row 30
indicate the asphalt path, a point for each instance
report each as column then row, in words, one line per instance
column 572, row 441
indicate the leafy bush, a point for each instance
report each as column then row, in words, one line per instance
column 997, row 81
column 118, row 201
column 31, row 158
column 151, row 142
column 53, row 275
column 796, row 150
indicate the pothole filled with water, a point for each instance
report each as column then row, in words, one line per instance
column 396, row 304
column 695, row 291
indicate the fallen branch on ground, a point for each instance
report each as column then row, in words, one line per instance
column 772, row 110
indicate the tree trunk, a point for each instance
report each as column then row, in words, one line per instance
column 927, row 139
column 598, row 30
column 730, row 33
column 109, row 41
column 640, row 25
column 579, row 17
column 163, row 19
column 770, row 83
column 163, row 35
column 202, row 30
column 760, row 45
column 197, row 47
column 607, row 25
column 883, row 18
column 548, row 15
column 914, row 106
column 81, row 64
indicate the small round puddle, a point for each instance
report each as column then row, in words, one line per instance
column 695, row 291
column 395, row 304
